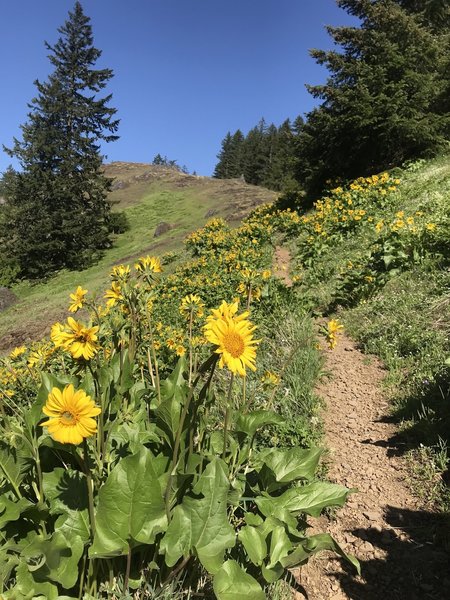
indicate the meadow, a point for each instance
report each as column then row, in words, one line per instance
column 164, row 439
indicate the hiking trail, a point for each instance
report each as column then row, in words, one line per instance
column 382, row 524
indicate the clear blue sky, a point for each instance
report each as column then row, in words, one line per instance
column 185, row 71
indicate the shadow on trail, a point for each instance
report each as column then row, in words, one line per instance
column 416, row 568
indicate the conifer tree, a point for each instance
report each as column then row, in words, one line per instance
column 230, row 157
column 384, row 101
column 57, row 204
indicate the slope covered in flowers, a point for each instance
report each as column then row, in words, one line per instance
column 173, row 401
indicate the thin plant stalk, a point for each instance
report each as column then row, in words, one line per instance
column 227, row 416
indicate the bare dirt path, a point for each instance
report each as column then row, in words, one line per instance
column 281, row 262
column 382, row 524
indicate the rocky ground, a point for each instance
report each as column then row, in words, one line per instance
column 382, row 524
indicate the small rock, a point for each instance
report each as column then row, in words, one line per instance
column 366, row 547
column 161, row 228
column 372, row 515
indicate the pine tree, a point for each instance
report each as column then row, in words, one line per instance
column 230, row 157
column 57, row 204
column 384, row 101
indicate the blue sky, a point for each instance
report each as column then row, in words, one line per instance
column 185, row 71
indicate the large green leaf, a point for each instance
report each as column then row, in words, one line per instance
column 314, row 544
column 131, row 507
column 54, row 558
column 28, row 588
column 280, row 546
column 66, row 492
column 309, row 499
column 14, row 464
column 231, row 582
column 11, row 510
column 201, row 524
column 173, row 393
column 285, row 466
column 251, row 422
column 254, row 543
column 65, row 489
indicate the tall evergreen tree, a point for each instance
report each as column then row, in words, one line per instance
column 57, row 204
column 230, row 157
column 385, row 99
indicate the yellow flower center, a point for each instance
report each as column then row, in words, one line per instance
column 67, row 418
column 234, row 344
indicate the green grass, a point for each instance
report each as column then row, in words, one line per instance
column 406, row 322
column 181, row 200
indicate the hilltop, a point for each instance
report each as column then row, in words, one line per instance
column 148, row 195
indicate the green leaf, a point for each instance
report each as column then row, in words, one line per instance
column 173, row 392
column 29, row 588
column 250, row 423
column 309, row 499
column 314, row 544
column 54, row 558
column 10, row 510
column 285, row 466
column 231, row 582
column 14, row 464
column 280, row 546
column 254, row 543
column 202, row 525
column 66, row 492
column 131, row 507
column 272, row 574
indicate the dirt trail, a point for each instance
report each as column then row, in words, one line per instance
column 382, row 524
column 281, row 262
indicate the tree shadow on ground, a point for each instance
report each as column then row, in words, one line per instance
column 425, row 414
column 410, row 559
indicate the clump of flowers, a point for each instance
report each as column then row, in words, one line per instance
column 70, row 415
column 270, row 379
column 113, row 295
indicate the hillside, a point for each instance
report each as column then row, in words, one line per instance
column 149, row 195
column 372, row 257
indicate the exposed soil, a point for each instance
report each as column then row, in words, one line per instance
column 281, row 261
column 382, row 524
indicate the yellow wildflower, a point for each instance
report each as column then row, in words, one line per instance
column 77, row 299
column 71, row 415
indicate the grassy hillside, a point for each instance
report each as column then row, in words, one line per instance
column 377, row 254
column 149, row 195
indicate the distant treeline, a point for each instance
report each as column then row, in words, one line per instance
column 265, row 156
column 387, row 100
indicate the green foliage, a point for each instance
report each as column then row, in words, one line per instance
column 178, row 486
column 56, row 212
column 265, row 156
column 386, row 100
column 118, row 222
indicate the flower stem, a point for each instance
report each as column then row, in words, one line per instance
column 90, row 488
column 227, row 416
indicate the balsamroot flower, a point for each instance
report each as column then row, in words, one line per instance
column 148, row 263
column 233, row 336
column 333, row 329
column 114, row 294
column 71, row 415
column 191, row 305
column 77, row 299
column 79, row 340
